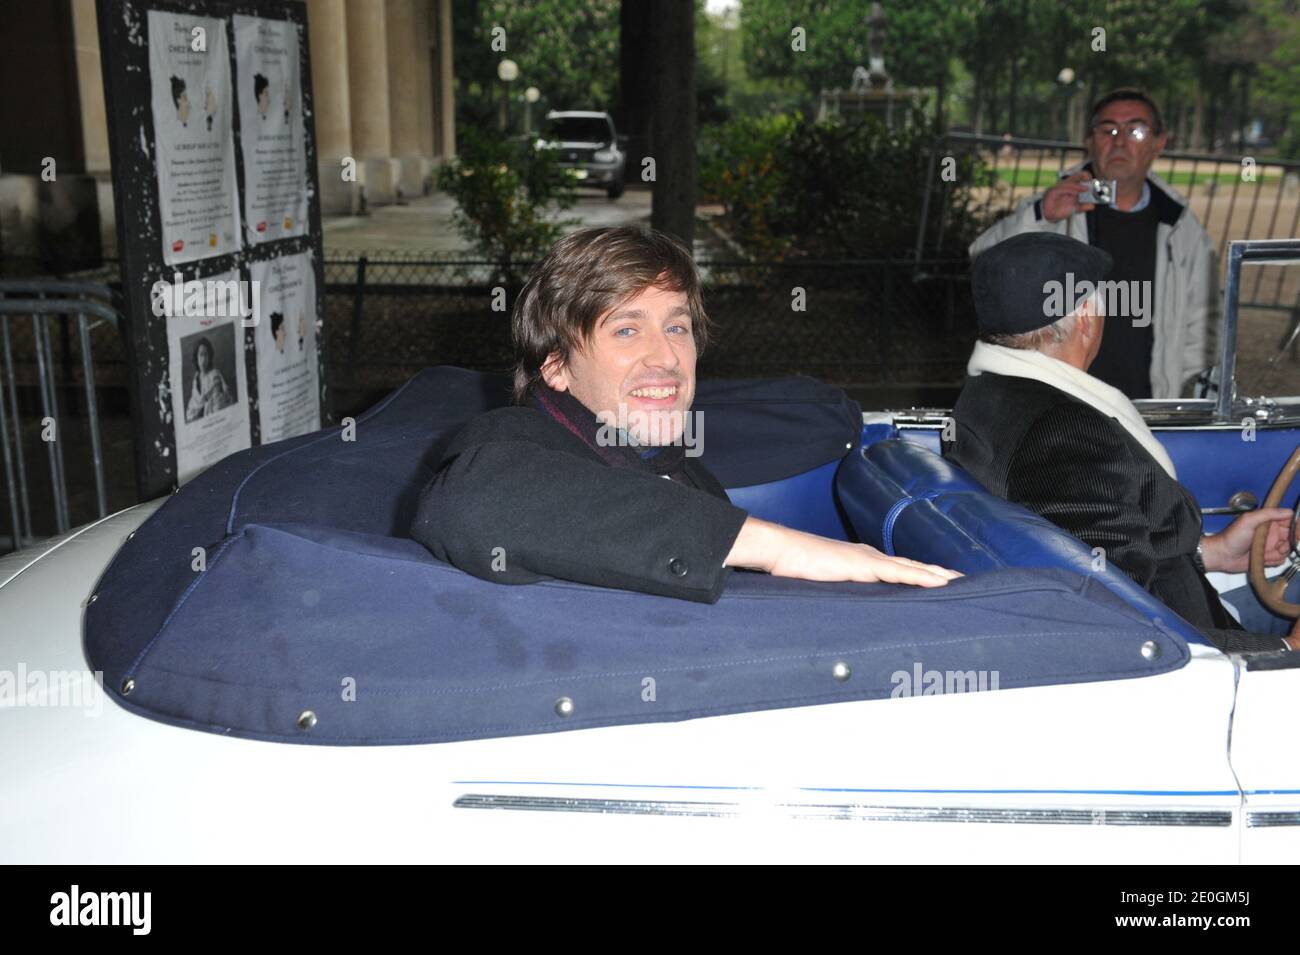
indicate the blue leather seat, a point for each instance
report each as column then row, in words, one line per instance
column 905, row 499
column 805, row 502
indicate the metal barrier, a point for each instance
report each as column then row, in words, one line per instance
column 1019, row 168
column 92, row 305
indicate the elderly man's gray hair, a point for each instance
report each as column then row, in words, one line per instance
column 1051, row 337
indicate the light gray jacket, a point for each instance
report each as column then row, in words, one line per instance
column 1186, row 317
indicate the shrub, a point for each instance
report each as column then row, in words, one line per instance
column 503, row 192
column 797, row 188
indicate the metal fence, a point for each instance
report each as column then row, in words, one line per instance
column 1234, row 197
column 848, row 321
column 35, row 423
column 906, row 320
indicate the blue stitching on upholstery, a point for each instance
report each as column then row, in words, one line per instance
column 894, row 513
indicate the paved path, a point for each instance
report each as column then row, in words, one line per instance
column 425, row 224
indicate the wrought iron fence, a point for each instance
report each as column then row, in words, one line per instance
column 1234, row 197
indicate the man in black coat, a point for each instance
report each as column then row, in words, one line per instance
column 590, row 477
column 1033, row 427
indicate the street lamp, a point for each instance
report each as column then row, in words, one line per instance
column 507, row 73
column 531, row 96
column 1066, row 80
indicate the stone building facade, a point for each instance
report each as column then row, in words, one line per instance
column 382, row 78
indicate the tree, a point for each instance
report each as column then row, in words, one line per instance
column 921, row 37
column 568, row 49
column 672, row 127
column 1279, row 74
column 833, row 40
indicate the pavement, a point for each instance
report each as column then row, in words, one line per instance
column 425, row 224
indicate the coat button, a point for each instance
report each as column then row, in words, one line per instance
column 678, row 567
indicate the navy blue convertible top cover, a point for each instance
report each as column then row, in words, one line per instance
column 313, row 618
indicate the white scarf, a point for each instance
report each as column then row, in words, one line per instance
column 1024, row 363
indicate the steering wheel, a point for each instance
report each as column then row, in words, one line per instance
column 1270, row 592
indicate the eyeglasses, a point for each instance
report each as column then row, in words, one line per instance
column 1136, row 130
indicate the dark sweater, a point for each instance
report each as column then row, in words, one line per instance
column 518, row 497
column 1124, row 361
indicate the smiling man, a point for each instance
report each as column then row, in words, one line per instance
column 1160, row 337
column 589, row 477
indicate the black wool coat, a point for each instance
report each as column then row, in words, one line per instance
column 1063, row 459
column 518, row 498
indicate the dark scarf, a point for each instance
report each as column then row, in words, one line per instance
column 579, row 420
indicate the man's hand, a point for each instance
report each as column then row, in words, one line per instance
column 1062, row 200
column 784, row 552
column 1229, row 551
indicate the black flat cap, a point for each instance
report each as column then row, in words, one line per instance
column 1012, row 282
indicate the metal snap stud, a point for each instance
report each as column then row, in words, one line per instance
column 564, row 706
column 127, row 686
column 306, row 720
column 1150, row 650
column 90, row 600
column 841, row 671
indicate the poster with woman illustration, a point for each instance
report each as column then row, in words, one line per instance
column 271, row 128
column 189, row 72
column 288, row 395
column 208, row 385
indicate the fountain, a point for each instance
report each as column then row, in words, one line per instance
column 872, row 91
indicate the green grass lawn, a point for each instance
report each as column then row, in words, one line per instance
column 1029, row 177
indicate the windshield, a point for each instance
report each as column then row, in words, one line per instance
column 1268, row 329
column 578, row 129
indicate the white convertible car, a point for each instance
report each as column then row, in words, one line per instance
column 265, row 667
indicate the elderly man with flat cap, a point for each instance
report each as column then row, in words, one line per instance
column 1034, row 427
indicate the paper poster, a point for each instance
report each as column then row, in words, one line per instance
column 209, row 387
column 189, row 73
column 288, row 395
column 271, row 128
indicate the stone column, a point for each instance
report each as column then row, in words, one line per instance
column 90, row 86
column 368, row 99
column 404, row 92
column 327, row 30
column 94, row 118
column 446, row 85
column 426, row 25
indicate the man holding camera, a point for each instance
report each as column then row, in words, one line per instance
column 1157, row 345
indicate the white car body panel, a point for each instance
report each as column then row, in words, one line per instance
column 843, row 782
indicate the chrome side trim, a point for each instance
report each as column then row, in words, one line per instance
column 862, row 813
column 1260, row 819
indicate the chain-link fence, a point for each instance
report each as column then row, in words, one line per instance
column 849, row 322
column 390, row 313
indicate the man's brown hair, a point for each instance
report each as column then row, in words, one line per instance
column 584, row 276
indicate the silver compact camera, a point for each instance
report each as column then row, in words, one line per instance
column 1100, row 192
